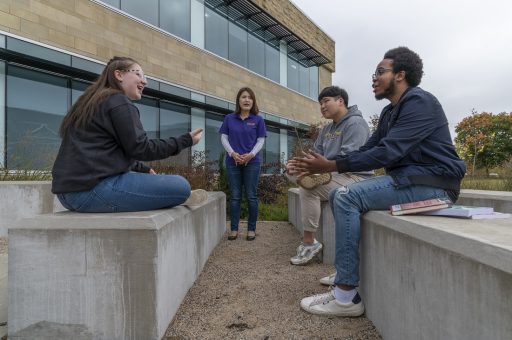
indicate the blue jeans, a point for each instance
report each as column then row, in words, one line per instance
column 246, row 176
column 348, row 203
column 131, row 191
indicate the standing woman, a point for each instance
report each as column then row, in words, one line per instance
column 243, row 134
column 98, row 166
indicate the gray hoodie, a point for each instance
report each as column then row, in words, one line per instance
column 337, row 139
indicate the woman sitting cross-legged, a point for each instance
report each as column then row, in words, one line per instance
column 98, row 167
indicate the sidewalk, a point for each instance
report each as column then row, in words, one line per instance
column 249, row 290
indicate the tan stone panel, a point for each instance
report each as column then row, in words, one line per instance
column 24, row 13
column 33, row 30
column 61, row 38
column 4, row 7
column 56, row 11
column 325, row 78
column 9, row 20
column 86, row 46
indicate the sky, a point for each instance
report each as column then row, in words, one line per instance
column 466, row 47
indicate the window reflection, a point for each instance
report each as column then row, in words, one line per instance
column 272, row 147
column 216, row 33
column 237, row 45
column 148, row 109
column 175, row 17
column 272, row 63
column 33, row 125
column 174, row 122
column 146, row 10
column 212, row 137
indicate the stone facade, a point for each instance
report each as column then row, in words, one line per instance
column 88, row 28
column 288, row 15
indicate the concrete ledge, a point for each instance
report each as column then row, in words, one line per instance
column 325, row 235
column 500, row 200
column 426, row 277
column 430, row 277
column 107, row 276
column 21, row 199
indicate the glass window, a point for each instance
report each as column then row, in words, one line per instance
column 256, row 54
column 77, row 89
column 216, row 33
column 148, row 109
column 33, row 125
column 114, row 3
column 313, row 82
column 174, row 122
column 175, row 17
column 272, row 147
column 303, row 80
column 272, row 62
column 237, row 44
column 86, row 65
column 293, row 74
column 38, row 51
column 212, row 137
column 146, row 10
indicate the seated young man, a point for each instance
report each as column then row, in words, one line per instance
column 346, row 131
column 413, row 143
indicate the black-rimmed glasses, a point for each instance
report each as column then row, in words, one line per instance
column 379, row 72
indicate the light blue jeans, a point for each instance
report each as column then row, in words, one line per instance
column 348, row 203
column 131, row 191
column 240, row 177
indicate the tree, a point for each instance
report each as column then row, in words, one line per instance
column 484, row 140
column 373, row 122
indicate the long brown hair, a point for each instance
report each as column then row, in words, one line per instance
column 81, row 113
column 254, row 109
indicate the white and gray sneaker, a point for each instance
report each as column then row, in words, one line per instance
column 305, row 253
column 196, row 197
column 326, row 304
column 328, row 280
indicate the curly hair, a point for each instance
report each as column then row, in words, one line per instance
column 406, row 60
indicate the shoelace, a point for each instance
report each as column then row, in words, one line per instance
column 323, row 298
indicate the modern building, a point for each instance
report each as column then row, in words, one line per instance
column 196, row 54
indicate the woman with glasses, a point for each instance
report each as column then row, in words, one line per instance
column 98, row 167
column 243, row 133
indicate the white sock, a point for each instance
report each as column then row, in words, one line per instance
column 344, row 296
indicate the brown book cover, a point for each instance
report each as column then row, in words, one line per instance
column 419, row 206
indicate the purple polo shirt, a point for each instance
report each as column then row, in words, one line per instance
column 242, row 134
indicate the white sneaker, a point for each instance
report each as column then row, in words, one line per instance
column 196, row 197
column 326, row 304
column 328, row 280
column 306, row 253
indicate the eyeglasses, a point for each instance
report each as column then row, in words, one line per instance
column 139, row 74
column 379, row 72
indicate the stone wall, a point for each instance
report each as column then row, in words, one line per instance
column 90, row 29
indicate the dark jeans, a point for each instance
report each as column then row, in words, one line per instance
column 245, row 176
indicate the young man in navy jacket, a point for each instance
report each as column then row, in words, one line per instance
column 413, row 143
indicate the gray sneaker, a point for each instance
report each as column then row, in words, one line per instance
column 306, row 253
column 326, row 304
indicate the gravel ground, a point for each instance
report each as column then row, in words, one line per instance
column 249, row 290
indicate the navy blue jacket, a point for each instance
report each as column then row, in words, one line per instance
column 413, row 143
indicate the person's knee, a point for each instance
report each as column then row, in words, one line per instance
column 338, row 195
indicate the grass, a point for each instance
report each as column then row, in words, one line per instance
column 25, row 175
column 484, row 183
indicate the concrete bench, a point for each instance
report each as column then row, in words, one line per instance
column 107, row 276
column 430, row 277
